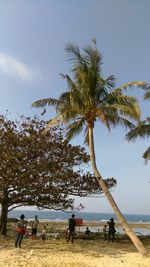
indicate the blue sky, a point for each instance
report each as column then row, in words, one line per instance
column 33, row 37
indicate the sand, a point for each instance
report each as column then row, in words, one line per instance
column 54, row 252
column 84, row 253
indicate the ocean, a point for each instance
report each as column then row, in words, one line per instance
column 87, row 216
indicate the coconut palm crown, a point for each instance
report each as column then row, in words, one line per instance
column 91, row 97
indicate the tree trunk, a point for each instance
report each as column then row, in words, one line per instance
column 138, row 244
column 3, row 224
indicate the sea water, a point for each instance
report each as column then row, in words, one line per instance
column 48, row 216
column 87, row 216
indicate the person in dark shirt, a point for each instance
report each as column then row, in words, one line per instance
column 71, row 228
column 111, row 230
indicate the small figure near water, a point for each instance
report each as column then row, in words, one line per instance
column 111, row 230
column 44, row 233
column 34, row 227
column 88, row 232
column 71, row 229
column 21, row 231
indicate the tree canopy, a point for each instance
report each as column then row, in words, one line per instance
column 41, row 168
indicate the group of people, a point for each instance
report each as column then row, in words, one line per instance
column 108, row 230
column 22, row 230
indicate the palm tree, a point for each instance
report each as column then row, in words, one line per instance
column 91, row 97
column 142, row 130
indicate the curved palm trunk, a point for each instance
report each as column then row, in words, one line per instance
column 138, row 244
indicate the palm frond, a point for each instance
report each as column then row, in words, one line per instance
column 130, row 110
column 120, row 121
column 44, row 102
column 103, row 118
column 94, row 41
column 64, row 97
column 147, row 95
column 110, row 82
column 92, row 57
column 68, row 115
column 141, row 130
column 73, row 53
column 123, row 104
column 140, row 84
column 146, row 154
column 55, row 121
column 75, row 128
column 70, row 82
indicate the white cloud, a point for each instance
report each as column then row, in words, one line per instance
column 14, row 67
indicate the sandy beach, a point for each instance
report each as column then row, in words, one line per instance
column 84, row 253
column 56, row 252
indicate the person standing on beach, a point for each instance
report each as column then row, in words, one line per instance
column 34, row 227
column 111, row 230
column 71, row 228
column 21, row 231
